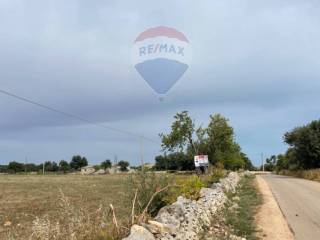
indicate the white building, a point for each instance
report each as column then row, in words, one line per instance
column 87, row 170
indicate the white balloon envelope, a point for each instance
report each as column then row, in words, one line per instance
column 161, row 55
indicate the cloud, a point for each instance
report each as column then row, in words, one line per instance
column 256, row 62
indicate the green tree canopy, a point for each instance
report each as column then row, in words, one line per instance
column 182, row 131
column 216, row 140
column 174, row 161
column 15, row 167
column 77, row 162
column 123, row 165
column 51, row 166
column 64, row 166
column 304, row 151
column 106, row 164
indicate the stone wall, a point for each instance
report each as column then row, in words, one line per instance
column 186, row 219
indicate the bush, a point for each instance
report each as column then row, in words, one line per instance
column 162, row 189
column 313, row 174
column 123, row 166
column 214, row 175
column 304, row 143
column 146, row 184
column 153, row 191
column 188, row 188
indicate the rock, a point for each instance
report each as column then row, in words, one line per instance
column 159, row 228
column 139, row 233
column 216, row 226
column 234, row 237
column 172, row 215
column 234, row 207
column 186, row 219
column 216, row 185
column 229, row 183
column 100, row 172
column 7, row 224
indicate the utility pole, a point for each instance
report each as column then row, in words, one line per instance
column 165, row 157
column 25, row 164
column 262, row 160
column 115, row 159
column 141, row 152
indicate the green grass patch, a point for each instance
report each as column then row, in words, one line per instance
column 240, row 219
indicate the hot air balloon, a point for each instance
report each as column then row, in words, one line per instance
column 161, row 55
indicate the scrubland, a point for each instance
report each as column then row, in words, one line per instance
column 30, row 200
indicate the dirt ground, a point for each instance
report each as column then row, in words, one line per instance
column 270, row 220
column 25, row 197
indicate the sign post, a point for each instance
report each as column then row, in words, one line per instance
column 201, row 163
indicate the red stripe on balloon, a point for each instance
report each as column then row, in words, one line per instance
column 161, row 31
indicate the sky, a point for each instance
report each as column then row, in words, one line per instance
column 255, row 62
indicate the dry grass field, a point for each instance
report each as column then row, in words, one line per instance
column 25, row 197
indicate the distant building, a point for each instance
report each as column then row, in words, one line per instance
column 100, row 172
column 148, row 165
column 114, row 169
column 87, row 170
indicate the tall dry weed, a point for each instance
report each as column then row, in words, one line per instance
column 76, row 224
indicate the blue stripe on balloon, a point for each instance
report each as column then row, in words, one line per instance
column 161, row 73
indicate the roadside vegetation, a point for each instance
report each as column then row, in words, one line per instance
column 312, row 174
column 242, row 207
column 302, row 159
column 186, row 139
column 147, row 192
column 236, row 220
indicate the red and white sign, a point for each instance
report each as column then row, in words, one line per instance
column 201, row 160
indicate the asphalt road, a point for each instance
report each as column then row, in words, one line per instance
column 299, row 201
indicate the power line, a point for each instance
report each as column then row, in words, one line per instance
column 70, row 115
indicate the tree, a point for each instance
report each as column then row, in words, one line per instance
column 51, row 166
column 304, row 151
column 247, row 162
column 31, row 167
column 123, row 166
column 15, row 167
column 77, row 162
column 106, row 164
column 64, row 166
column 221, row 144
column 174, row 161
column 270, row 163
column 282, row 163
column 3, row 168
column 217, row 141
column 182, row 131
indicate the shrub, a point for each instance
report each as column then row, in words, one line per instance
column 144, row 185
column 153, row 191
column 188, row 188
column 149, row 192
column 214, row 175
column 123, row 166
column 313, row 174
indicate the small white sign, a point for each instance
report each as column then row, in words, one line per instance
column 201, row 160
